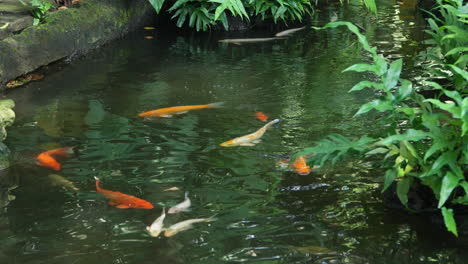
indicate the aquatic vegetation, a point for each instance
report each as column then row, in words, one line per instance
column 203, row 14
column 425, row 138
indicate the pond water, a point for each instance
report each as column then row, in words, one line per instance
column 264, row 214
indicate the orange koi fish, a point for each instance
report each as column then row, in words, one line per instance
column 121, row 200
column 261, row 116
column 45, row 159
column 177, row 110
column 250, row 139
column 300, row 166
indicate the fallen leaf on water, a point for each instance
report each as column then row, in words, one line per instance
column 14, row 84
column 148, row 37
column 34, row 77
column 172, row 189
column 149, row 28
column 62, row 8
column 24, row 80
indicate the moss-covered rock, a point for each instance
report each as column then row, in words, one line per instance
column 70, row 31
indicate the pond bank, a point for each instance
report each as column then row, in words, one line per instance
column 67, row 33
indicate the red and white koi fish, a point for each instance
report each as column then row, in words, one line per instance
column 177, row 110
column 45, row 159
column 250, row 139
column 121, row 200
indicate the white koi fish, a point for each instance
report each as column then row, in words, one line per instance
column 250, row 139
column 288, row 32
column 157, row 226
column 181, row 207
column 184, row 225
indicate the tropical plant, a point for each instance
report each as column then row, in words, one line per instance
column 425, row 139
column 447, row 57
column 40, row 8
column 202, row 14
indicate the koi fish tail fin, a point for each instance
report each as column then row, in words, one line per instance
column 216, row 105
column 62, row 151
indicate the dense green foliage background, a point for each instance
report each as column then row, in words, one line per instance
column 425, row 138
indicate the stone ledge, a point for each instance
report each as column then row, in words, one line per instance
column 70, row 31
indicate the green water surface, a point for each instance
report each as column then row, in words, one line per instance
column 264, row 214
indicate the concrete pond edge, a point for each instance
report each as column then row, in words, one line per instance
column 69, row 32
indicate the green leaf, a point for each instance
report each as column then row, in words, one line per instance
column 362, row 68
column 157, row 4
column 456, row 51
column 377, row 104
column 403, row 187
column 450, row 107
column 393, row 74
column 463, row 73
column 449, row 220
column 410, row 135
column 449, row 182
column 405, row 89
column 366, row 84
column 390, row 176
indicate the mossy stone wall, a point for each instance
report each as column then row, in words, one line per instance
column 70, row 31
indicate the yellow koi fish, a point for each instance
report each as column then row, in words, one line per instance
column 250, row 139
column 177, row 110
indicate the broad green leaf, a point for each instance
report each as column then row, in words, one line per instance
column 464, row 115
column 410, row 135
column 366, row 84
column 390, row 176
column 176, row 5
column 378, row 105
column 456, row 50
column 362, row 68
column 463, row 73
column 381, row 64
column 449, row 107
column 462, row 61
column 405, row 89
column 219, row 10
column 377, row 151
column 447, row 158
column 393, row 74
column 403, row 187
column 449, row 182
column 449, row 220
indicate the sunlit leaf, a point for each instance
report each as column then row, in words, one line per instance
column 449, row 220
column 366, row 84
column 393, row 74
column 377, row 104
column 449, row 182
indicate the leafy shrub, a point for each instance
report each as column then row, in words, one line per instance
column 202, row 14
column 425, row 139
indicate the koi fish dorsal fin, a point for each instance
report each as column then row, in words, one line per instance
column 97, row 183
